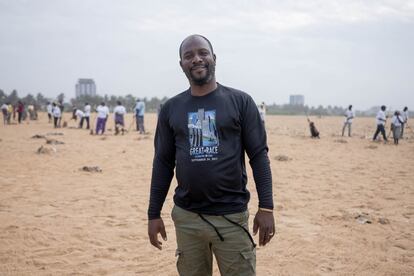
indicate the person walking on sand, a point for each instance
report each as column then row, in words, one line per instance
column 396, row 126
column 349, row 115
column 119, row 113
column 381, row 119
column 404, row 116
column 103, row 113
column 210, row 212
column 49, row 108
column 56, row 115
column 139, row 115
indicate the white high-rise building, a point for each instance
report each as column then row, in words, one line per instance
column 297, row 100
column 85, row 87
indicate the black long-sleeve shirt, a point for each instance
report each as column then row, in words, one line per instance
column 205, row 138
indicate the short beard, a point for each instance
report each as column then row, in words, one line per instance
column 211, row 70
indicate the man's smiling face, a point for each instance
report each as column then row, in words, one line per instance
column 197, row 60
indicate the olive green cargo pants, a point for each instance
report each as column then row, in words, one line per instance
column 197, row 240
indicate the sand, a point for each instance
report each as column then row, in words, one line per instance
column 344, row 206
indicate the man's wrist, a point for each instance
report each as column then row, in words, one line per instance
column 266, row 210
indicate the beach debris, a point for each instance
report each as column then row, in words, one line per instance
column 54, row 134
column 282, row 158
column 46, row 150
column 383, row 221
column 103, row 138
column 363, row 218
column 65, row 124
column 372, row 147
column 91, row 169
column 341, row 141
column 53, row 142
column 38, row 136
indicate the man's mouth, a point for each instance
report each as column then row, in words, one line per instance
column 198, row 68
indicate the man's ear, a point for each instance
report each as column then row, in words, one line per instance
column 181, row 65
column 214, row 57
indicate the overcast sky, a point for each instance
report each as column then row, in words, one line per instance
column 333, row 52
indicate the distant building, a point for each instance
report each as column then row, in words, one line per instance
column 85, row 87
column 297, row 100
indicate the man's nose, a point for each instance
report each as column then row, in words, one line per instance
column 197, row 59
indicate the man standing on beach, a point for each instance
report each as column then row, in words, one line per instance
column 57, row 113
column 20, row 110
column 349, row 115
column 87, row 115
column 205, row 132
column 119, row 112
column 381, row 119
column 49, row 109
column 103, row 113
column 61, row 107
column 139, row 115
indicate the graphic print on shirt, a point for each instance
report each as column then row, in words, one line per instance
column 203, row 135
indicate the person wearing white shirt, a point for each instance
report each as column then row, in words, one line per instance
column 404, row 116
column 381, row 119
column 86, row 116
column 119, row 113
column 262, row 112
column 4, row 108
column 57, row 114
column 349, row 115
column 139, row 115
column 78, row 114
column 103, row 113
column 49, row 111
column 396, row 125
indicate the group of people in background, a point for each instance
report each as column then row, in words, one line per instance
column 8, row 110
column 398, row 121
column 103, row 115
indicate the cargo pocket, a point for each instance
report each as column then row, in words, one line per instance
column 248, row 263
column 173, row 211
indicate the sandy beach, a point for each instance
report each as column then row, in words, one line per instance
column 344, row 206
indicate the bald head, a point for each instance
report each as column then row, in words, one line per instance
column 191, row 38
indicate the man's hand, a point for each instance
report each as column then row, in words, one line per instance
column 265, row 223
column 156, row 226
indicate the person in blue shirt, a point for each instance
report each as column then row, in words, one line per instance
column 139, row 115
